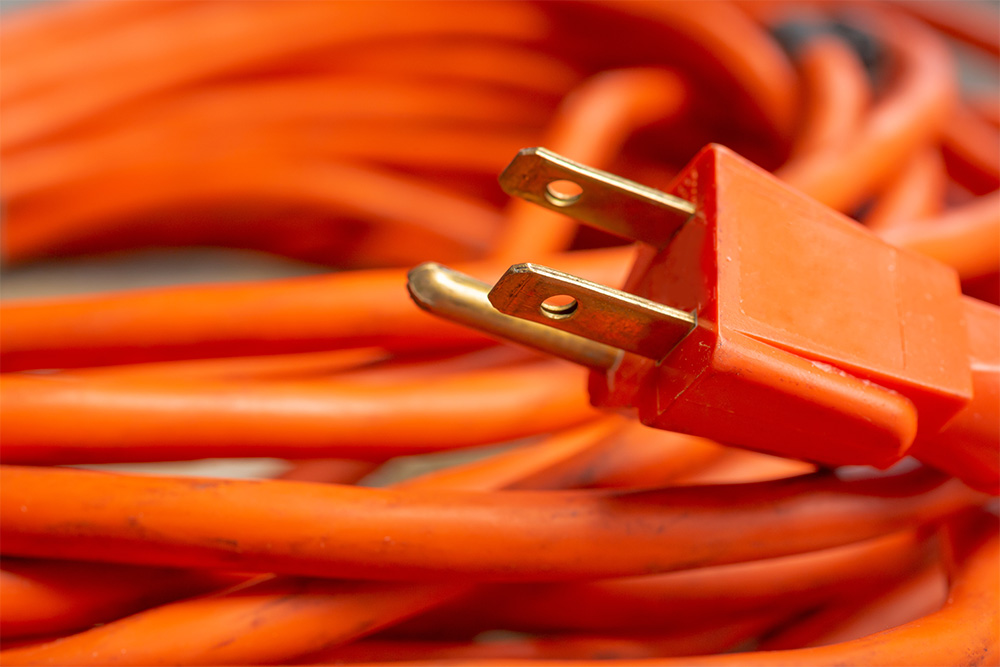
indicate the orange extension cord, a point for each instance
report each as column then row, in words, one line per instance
column 367, row 137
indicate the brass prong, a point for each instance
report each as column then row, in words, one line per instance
column 462, row 299
column 602, row 314
column 612, row 203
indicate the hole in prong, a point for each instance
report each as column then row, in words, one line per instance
column 559, row 307
column 563, row 192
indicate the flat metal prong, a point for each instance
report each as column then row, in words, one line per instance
column 612, row 203
column 597, row 312
column 463, row 299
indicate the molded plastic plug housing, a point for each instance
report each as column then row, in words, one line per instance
column 815, row 339
column 760, row 318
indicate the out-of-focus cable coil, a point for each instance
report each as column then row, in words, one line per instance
column 367, row 137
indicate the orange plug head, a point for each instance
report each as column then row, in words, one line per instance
column 816, row 340
column 753, row 315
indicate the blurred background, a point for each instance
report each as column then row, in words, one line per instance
column 440, row 106
column 145, row 144
column 149, row 144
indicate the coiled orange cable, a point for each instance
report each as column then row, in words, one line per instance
column 365, row 138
